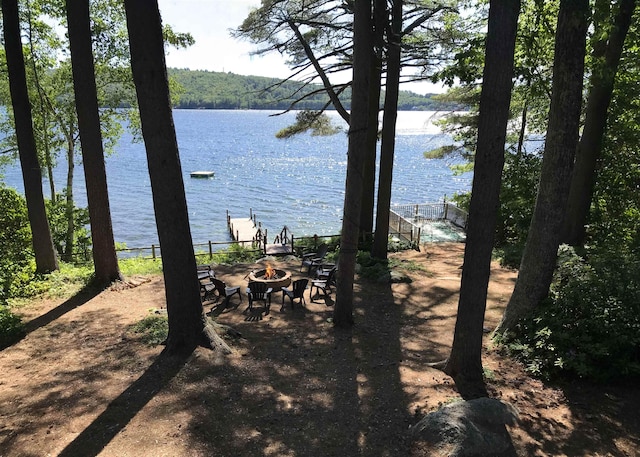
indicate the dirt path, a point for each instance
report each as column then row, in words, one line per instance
column 81, row 383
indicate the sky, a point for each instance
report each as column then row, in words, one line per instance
column 209, row 22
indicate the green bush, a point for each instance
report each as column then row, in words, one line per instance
column 153, row 330
column 370, row 267
column 517, row 201
column 15, row 243
column 236, row 253
column 589, row 326
column 11, row 327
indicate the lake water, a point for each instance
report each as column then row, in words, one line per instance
column 298, row 182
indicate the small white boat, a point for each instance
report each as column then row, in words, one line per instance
column 202, row 174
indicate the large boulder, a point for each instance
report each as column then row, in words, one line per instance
column 474, row 428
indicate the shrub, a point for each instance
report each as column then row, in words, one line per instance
column 153, row 330
column 236, row 253
column 15, row 242
column 11, row 327
column 590, row 325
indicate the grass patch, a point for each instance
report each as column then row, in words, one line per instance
column 140, row 266
column 408, row 265
column 152, row 330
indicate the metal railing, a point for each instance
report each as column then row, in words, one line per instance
column 418, row 213
column 404, row 228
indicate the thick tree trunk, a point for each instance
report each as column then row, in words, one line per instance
column 105, row 259
column 357, row 150
column 590, row 145
column 541, row 250
column 369, row 166
column 465, row 362
column 187, row 322
column 45, row 254
column 387, row 150
column 380, row 20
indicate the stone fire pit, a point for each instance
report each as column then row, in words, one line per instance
column 281, row 278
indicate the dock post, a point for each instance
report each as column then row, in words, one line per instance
column 264, row 242
column 210, row 250
column 153, row 251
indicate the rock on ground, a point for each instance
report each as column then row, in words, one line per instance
column 469, row 428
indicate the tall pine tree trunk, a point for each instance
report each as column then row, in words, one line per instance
column 188, row 326
column 590, row 145
column 465, row 362
column 105, row 259
column 69, row 238
column 380, row 20
column 541, row 250
column 45, row 254
column 387, row 150
column 356, row 153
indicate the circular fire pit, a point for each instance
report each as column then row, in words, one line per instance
column 279, row 278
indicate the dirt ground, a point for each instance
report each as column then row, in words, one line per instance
column 81, row 383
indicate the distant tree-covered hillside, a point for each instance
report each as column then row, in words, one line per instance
column 217, row 90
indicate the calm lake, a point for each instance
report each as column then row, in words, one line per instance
column 298, row 182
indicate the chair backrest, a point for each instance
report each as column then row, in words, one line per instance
column 220, row 286
column 322, row 250
column 299, row 287
column 258, row 289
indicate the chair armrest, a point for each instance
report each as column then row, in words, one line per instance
column 269, row 290
column 309, row 255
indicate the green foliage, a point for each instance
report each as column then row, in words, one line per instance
column 310, row 244
column 56, row 213
column 153, row 330
column 217, row 90
column 316, row 121
column 408, row 265
column 236, row 253
column 590, row 325
column 140, row 266
column 68, row 280
column 396, row 245
column 615, row 211
column 370, row 267
column 517, row 201
column 373, row 268
column 11, row 327
column 16, row 266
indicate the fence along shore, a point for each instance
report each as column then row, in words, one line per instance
column 406, row 222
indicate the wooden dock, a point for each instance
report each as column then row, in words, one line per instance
column 248, row 230
column 243, row 229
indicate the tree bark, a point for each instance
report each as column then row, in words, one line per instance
column 187, row 322
column 45, row 254
column 69, row 238
column 380, row 21
column 465, row 361
column 596, row 113
column 387, row 149
column 357, row 150
column 105, row 259
column 541, row 250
